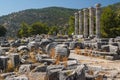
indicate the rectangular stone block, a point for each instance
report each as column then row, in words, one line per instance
column 15, row 59
column 3, row 62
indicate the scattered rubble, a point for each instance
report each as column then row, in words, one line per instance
column 53, row 60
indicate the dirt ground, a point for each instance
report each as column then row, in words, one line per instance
column 113, row 64
column 111, row 67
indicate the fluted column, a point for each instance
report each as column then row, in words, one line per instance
column 91, row 21
column 85, row 23
column 80, row 23
column 76, row 24
column 98, row 14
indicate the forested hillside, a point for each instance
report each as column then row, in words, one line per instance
column 110, row 21
column 58, row 16
column 52, row 16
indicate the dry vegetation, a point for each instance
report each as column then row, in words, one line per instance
column 10, row 67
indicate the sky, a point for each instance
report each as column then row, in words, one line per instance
column 10, row 6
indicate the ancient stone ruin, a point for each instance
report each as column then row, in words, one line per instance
column 51, row 57
column 81, row 22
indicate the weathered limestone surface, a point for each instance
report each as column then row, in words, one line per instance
column 91, row 21
column 3, row 63
column 98, row 13
column 80, row 23
column 76, row 24
column 85, row 23
column 15, row 59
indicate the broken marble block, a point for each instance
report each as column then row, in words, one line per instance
column 77, row 73
column 40, row 68
column 109, row 48
column 15, row 59
column 62, row 50
column 49, row 47
column 74, row 45
column 22, row 77
column 52, row 72
column 25, row 68
column 3, row 62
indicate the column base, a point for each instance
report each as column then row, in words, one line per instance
column 78, row 36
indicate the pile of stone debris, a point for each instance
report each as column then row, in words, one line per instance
column 28, row 58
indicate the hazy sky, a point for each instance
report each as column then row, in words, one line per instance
column 9, row 6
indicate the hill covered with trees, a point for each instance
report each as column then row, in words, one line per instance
column 52, row 16
column 55, row 18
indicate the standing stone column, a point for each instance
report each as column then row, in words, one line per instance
column 80, row 23
column 76, row 24
column 85, row 23
column 91, row 21
column 98, row 14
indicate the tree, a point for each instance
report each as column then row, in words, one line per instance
column 2, row 30
column 109, row 24
column 34, row 29
column 53, row 30
column 23, row 31
column 118, row 17
column 71, row 25
column 38, row 28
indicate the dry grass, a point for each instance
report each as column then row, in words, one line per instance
column 100, row 77
column 90, row 72
column 12, row 49
column 65, row 59
column 57, row 59
column 52, row 53
column 10, row 66
column 1, row 78
column 32, row 56
column 39, row 51
column 86, row 52
column 77, row 50
column 21, row 53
